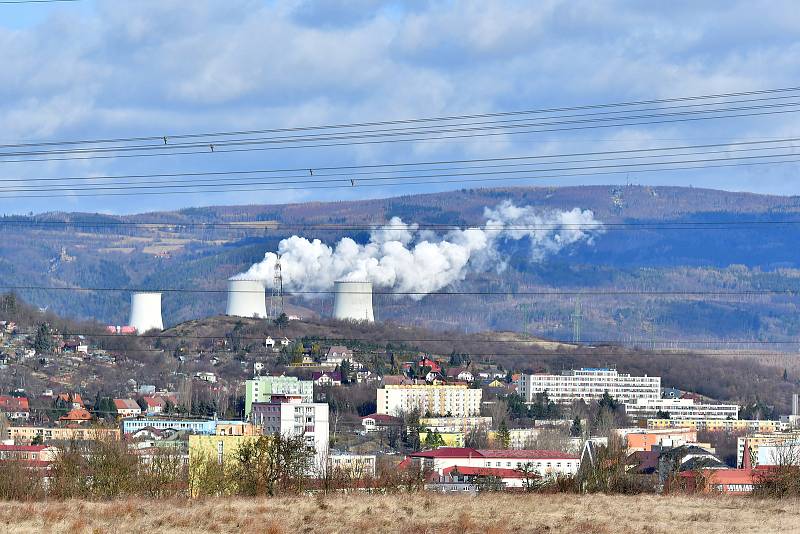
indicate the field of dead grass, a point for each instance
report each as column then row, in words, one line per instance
column 418, row 513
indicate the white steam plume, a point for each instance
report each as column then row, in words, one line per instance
column 402, row 259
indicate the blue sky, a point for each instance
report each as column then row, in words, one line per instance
column 100, row 68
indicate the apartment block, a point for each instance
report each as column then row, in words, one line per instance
column 261, row 389
column 436, row 400
column 290, row 415
column 718, row 425
column 680, row 409
column 589, row 384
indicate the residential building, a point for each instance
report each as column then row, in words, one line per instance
column 76, row 415
column 26, row 434
column 540, row 462
column 779, row 454
column 461, row 479
column 455, row 424
column 290, row 415
column 28, row 453
column 354, row 465
column 459, row 373
column 337, row 354
column 379, row 421
column 451, row 400
column 73, row 400
column 127, row 408
column 193, row 426
column 679, row 409
column 237, row 428
column 15, row 408
column 639, row 439
column 326, row 379
column 717, row 425
column 754, row 442
column 589, row 384
column 261, row 389
column 155, row 405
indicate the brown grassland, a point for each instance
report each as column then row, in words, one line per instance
column 413, row 513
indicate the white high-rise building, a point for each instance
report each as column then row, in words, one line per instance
column 289, row 415
column 589, row 384
column 680, row 409
column 454, row 400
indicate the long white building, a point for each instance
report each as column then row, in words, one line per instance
column 681, row 409
column 589, row 384
column 289, row 415
column 453, row 400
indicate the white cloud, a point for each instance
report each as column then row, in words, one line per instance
column 208, row 65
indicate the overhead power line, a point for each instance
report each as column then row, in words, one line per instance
column 490, row 166
column 398, row 182
column 567, row 343
column 611, row 292
column 160, row 137
column 172, row 226
column 220, row 142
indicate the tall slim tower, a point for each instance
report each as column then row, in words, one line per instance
column 276, row 296
column 576, row 322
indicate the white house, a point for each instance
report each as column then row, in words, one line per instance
column 543, row 463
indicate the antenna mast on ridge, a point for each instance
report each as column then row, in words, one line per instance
column 276, row 296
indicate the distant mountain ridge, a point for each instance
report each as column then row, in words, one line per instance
column 667, row 245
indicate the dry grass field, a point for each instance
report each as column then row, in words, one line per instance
column 418, row 513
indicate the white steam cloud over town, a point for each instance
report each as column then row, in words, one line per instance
column 401, row 258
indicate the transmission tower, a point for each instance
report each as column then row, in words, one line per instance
column 576, row 322
column 276, row 296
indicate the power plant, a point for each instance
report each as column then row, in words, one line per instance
column 353, row 301
column 246, row 298
column 146, row 311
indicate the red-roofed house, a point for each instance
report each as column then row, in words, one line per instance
column 127, row 407
column 76, row 415
column 15, row 408
column 72, row 399
column 541, row 462
column 155, row 405
column 379, row 421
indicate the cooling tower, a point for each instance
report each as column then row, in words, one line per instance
column 246, row 298
column 146, row 311
column 353, row 301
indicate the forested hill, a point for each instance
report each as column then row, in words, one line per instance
column 670, row 239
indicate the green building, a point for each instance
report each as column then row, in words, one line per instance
column 261, row 388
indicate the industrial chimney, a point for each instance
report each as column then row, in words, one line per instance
column 246, row 298
column 146, row 311
column 353, row 301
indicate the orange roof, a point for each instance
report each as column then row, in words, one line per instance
column 7, row 402
column 76, row 414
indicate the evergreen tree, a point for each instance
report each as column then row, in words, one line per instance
column 503, row 435
column 281, row 321
column 577, row 428
column 43, row 342
column 344, row 370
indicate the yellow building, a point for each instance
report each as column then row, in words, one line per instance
column 755, row 441
column 26, row 434
column 451, row 439
column 716, row 425
column 237, row 429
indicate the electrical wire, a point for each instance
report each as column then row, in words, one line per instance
column 160, row 137
column 722, row 292
column 349, row 184
column 366, row 139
